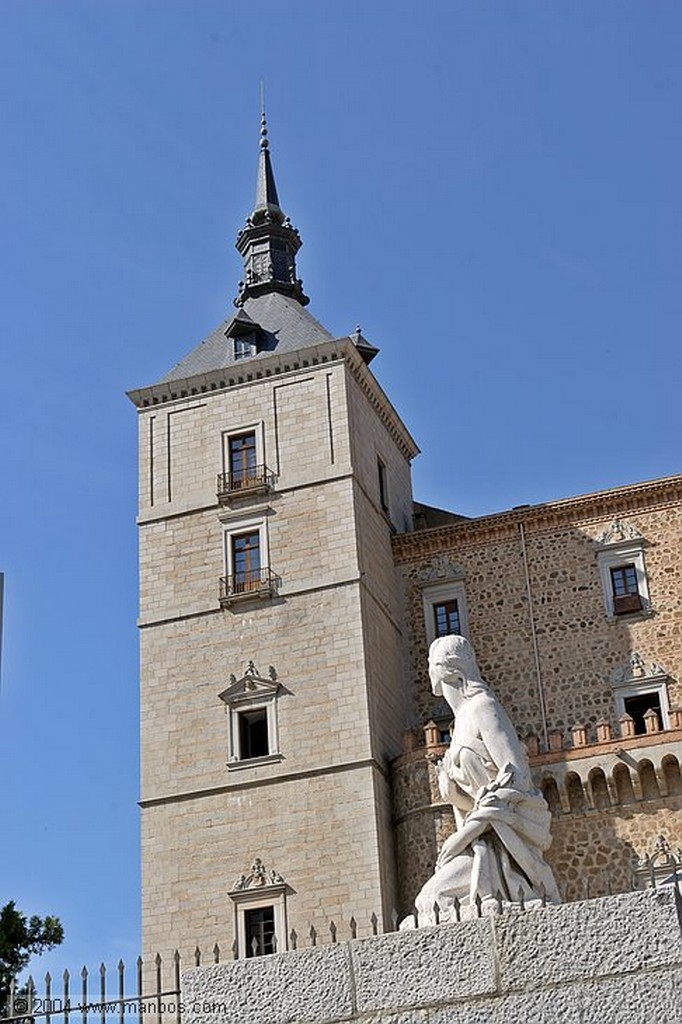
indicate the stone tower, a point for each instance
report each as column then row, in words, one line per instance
column 273, row 472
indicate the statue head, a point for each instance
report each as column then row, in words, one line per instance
column 452, row 660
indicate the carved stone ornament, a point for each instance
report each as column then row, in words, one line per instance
column 618, row 532
column 441, row 567
column 251, row 684
column 636, row 669
column 258, row 878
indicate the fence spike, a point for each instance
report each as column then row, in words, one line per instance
column 458, row 909
column 394, row 919
column 436, row 912
column 139, row 964
column 313, row 936
column 274, row 943
column 415, row 912
column 65, row 983
column 30, row 992
column 353, row 928
column 48, row 997
column 254, row 946
column 102, row 992
column 332, row 931
column 235, row 950
column 543, row 895
column 522, row 901
column 374, row 923
column 216, row 954
column 197, row 956
column 84, row 994
column 121, row 992
column 12, row 990
column 293, row 938
column 477, row 901
column 498, row 901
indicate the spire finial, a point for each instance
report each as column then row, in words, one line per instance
column 268, row 243
column 263, row 122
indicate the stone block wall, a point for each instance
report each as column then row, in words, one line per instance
column 616, row 960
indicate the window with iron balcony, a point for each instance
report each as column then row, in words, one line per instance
column 245, row 474
column 247, row 578
column 626, row 596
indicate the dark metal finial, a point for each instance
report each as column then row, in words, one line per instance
column 263, row 121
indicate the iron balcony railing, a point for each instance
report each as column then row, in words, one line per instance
column 250, row 583
column 625, row 603
column 244, row 481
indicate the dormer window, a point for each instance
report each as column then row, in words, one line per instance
column 245, row 346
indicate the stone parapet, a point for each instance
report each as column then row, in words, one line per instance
column 617, row 959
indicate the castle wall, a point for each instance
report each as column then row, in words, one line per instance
column 578, row 645
column 617, row 961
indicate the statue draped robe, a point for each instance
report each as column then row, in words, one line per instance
column 503, row 829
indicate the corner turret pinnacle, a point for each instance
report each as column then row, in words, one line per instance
column 268, row 242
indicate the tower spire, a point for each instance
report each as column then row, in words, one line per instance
column 268, row 242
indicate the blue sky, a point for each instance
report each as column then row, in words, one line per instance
column 490, row 189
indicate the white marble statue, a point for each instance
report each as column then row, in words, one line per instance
column 502, row 820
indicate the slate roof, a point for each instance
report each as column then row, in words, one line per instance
column 286, row 324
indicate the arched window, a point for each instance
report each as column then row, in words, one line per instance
column 599, row 789
column 550, row 791
column 576, row 793
column 648, row 780
column 624, row 787
column 671, row 772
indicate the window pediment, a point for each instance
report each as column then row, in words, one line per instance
column 252, row 686
column 618, row 533
column 440, row 568
column 637, row 671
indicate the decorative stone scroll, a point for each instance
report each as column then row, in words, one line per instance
column 441, row 567
column 635, row 670
column 618, row 532
column 258, row 878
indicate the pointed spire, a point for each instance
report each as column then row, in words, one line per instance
column 268, row 242
column 266, row 190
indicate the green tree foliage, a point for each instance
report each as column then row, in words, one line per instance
column 20, row 939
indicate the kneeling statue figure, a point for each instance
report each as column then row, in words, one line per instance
column 502, row 820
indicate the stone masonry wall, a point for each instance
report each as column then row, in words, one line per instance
column 578, row 645
column 318, row 809
column 611, row 961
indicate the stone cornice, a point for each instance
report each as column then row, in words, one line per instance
column 248, row 372
column 583, row 509
column 276, row 366
column 377, row 397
